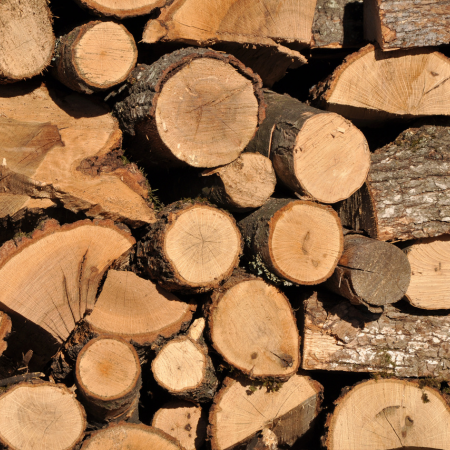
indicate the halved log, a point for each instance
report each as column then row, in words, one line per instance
column 184, row 421
column 94, row 57
column 319, row 155
column 5, row 331
column 406, row 193
column 49, row 281
column 182, row 112
column 39, row 417
column 430, row 273
column 251, row 324
column 295, row 240
column 108, row 378
column 400, row 414
column 66, row 148
column 241, row 409
column 26, row 39
column 125, row 435
column 121, row 9
column 371, row 87
column 192, row 247
column 370, row 273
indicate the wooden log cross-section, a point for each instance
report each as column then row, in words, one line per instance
column 120, row 9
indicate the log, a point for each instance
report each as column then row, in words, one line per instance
column 120, row 9
column 319, row 155
column 183, row 114
column 406, row 193
column 400, row 414
column 264, row 440
column 371, row 87
column 402, row 25
column 184, row 368
column 49, row 281
column 293, row 240
column 430, row 273
column 108, row 379
column 192, row 247
column 241, row 409
column 252, row 326
column 65, row 148
column 5, row 331
column 184, row 421
column 26, row 39
column 370, row 273
column 40, row 416
column 94, row 57
column 402, row 341
column 127, row 435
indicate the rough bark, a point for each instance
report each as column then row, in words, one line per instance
column 122, row 9
column 94, row 57
column 181, row 113
column 319, row 155
column 370, row 273
column 402, row 341
column 406, row 193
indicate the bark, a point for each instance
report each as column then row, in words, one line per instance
column 406, row 193
column 122, row 10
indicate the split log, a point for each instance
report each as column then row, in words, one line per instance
column 372, row 86
column 406, row 193
column 192, row 247
column 108, row 378
column 184, row 368
column 319, row 155
column 370, row 273
column 402, row 24
column 252, row 326
column 26, row 39
column 66, row 148
column 338, row 24
column 94, row 57
column 403, row 341
column 242, row 409
column 49, row 281
column 430, row 273
column 39, row 417
column 184, row 421
column 294, row 240
column 264, row 440
column 126, row 435
column 182, row 112
column 120, row 9
column 400, row 414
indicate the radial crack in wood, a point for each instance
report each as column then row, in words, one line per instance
column 121, row 9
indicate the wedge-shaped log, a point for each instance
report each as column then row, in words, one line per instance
column 120, row 9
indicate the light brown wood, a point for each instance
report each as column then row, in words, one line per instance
column 121, row 9
column 137, row 310
column 40, row 416
column 5, row 330
column 430, row 273
column 389, row 413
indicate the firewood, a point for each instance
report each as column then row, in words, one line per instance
column 264, row 440
column 26, row 39
column 184, row 368
column 120, row 9
column 108, row 378
column 5, row 331
column 319, row 155
column 66, row 148
column 50, row 280
column 94, row 57
column 389, row 414
column 192, row 247
column 248, row 310
column 184, row 114
column 133, row 436
column 294, row 240
column 184, row 421
column 366, row 88
column 242, row 409
column 39, row 417
column 401, row 341
column 406, row 193
column 137, row 310
column 370, row 273
column 402, row 25
column 430, row 273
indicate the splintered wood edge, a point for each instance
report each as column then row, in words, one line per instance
column 5, row 331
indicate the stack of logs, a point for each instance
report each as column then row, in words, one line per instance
column 285, row 249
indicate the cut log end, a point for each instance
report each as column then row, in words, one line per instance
column 121, row 9
column 5, row 330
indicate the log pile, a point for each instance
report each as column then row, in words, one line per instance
column 224, row 225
